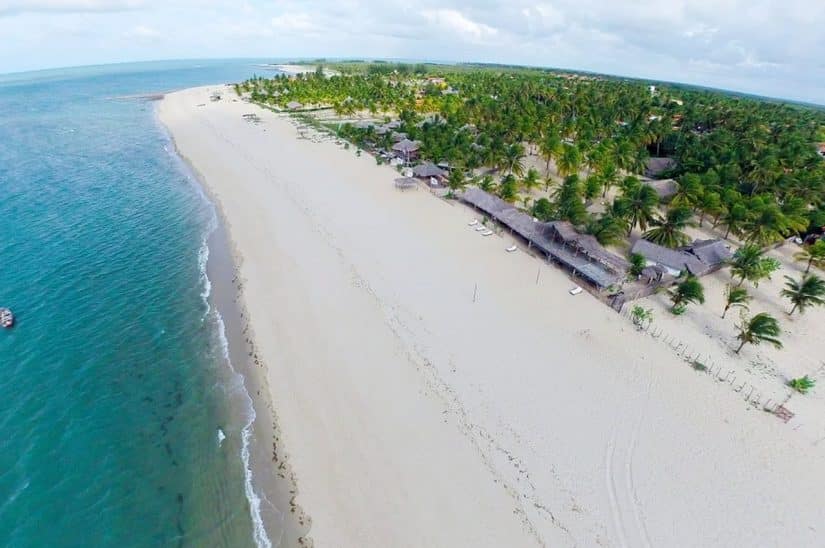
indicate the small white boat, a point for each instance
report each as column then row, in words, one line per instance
column 481, row 228
column 6, row 318
column 474, row 222
column 487, row 233
column 576, row 290
column 511, row 249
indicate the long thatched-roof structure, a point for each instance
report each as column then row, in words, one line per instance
column 558, row 240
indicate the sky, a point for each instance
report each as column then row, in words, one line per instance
column 767, row 47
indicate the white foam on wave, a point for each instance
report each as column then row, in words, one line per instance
column 258, row 530
column 206, row 284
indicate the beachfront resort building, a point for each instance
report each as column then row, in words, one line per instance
column 406, row 149
column 664, row 265
column 558, row 241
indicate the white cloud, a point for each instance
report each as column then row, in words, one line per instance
column 294, row 22
column 12, row 7
column 142, row 31
column 771, row 47
column 450, row 20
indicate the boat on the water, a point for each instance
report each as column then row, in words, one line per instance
column 6, row 318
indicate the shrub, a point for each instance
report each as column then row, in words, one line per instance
column 641, row 317
column 802, row 384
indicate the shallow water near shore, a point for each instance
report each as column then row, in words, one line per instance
column 123, row 423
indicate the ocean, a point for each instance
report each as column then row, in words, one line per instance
column 123, row 422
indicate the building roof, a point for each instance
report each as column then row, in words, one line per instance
column 428, row 169
column 293, row 105
column 711, row 252
column 655, row 166
column 665, row 188
column 559, row 240
column 674, row 259
column 485, row 201
column 405, row 145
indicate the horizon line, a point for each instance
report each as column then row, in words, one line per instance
column 273, row 60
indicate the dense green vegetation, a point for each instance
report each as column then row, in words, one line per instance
column 746, row 165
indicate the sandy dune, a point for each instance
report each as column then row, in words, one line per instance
column 415, row 415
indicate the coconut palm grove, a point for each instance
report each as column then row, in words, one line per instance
column 751, row 168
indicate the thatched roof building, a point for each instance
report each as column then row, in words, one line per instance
column 665, row 188
column 700, row 258
column 714, row 253
column 559, row 241
column 427, row 170
column 405, row 146
column 655, row 166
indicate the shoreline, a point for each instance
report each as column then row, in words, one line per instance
column 547, row 431
column 284, row 522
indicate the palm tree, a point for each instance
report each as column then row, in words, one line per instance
column 508, row 189
column 487, row 183
column 607, row 229
column 570, row 161
column 550, row 148
column 542, row 209
column 457, row 179
column 710, row 204
column 531, row 180
column 637, row 204
column 735, row 297
column 689, row 191
column 761, row 328
column 809, row 291
column 669, row 232
column 569, row 201
column 767, row 225
column 690, row 290
column 609, row 175
column 734, row 218
column 814, row 255
column 749, row 263
column 513, row 159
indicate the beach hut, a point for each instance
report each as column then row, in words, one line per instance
column 713, row 253
column 428, row 170
column 655, row 166
column 676, row 261
column 665, row 188
column 406, row 149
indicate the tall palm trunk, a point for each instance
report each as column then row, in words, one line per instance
column 740, row 346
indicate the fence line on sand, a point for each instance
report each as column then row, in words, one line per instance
column 705, row 364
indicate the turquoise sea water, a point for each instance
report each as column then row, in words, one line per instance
column 114, row 382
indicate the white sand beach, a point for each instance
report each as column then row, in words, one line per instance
column 434, row 390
